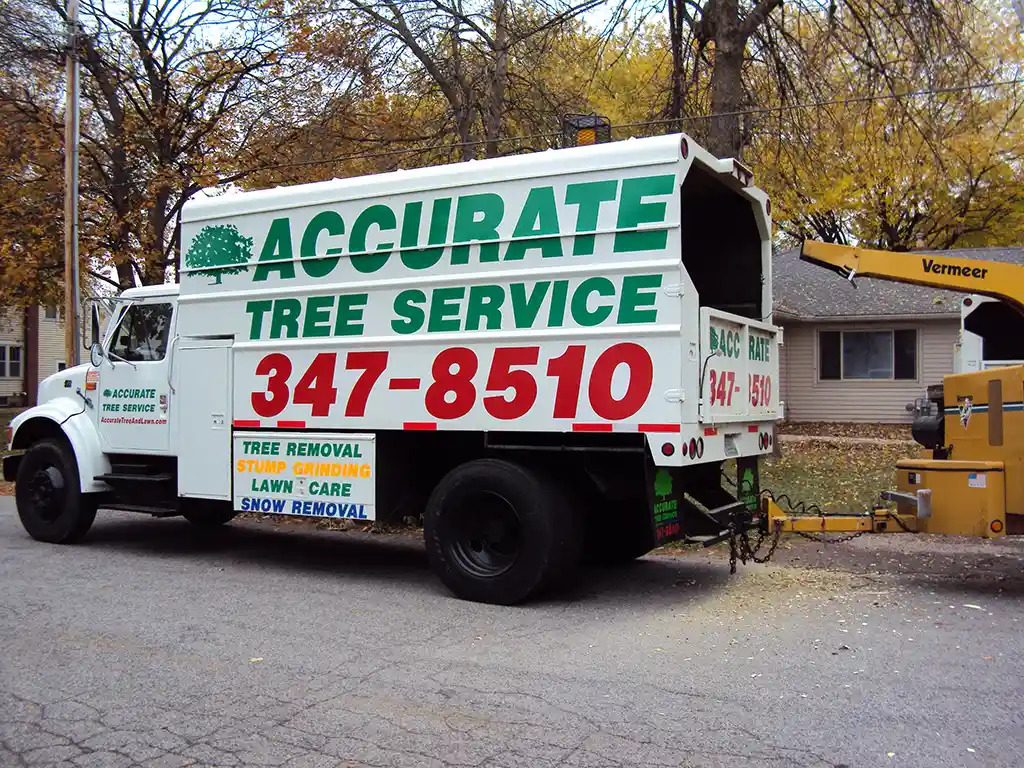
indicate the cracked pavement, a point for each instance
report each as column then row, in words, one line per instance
column 154, row 644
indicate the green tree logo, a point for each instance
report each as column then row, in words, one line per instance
column 663, row 483
column 220, row 246
column 747, row 494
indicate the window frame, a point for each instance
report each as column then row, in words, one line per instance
column 126, row 316
column 5, row 362
column 56, row 312
column 891, row 379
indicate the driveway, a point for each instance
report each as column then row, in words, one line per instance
column 152, row 644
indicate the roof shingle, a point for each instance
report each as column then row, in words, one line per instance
column 805, row 290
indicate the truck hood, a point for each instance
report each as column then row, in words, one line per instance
column 63, row 383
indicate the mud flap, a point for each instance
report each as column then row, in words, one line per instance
column 748, row 489
column 664, row 499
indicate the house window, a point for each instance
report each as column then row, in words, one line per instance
column 61, row 365
column 10, row 361
column 50, row 313
column 867, row 355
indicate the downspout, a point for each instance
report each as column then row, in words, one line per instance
column 30, row 357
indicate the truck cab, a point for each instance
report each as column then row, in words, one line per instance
column 114, row 415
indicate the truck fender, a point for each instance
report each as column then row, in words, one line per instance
column 64, row 417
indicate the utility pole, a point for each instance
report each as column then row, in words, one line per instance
column 72, row 300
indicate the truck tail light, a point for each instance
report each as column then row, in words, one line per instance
column 668, row 449
column 684, row 148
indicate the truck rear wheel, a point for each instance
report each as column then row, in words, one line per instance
column 50, row 502
column 497, row 532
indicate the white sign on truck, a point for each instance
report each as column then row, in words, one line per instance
column 547, row 356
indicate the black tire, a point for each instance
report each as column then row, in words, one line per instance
column 207, row 513
column 497, row 532
column 50, row 502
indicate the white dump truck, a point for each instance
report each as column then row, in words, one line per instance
column 547, row 357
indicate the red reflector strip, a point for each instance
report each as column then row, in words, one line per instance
column 660, row 428
column 404, row 384
column 421, row 426
column 752, row 428
column 291, row 425
column 710, row 431
column 246, row 424
column 591, row 427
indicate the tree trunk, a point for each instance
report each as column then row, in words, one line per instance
column 675, row 24
column 725, row 136
column 499, row 76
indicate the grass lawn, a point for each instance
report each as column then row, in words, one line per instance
column 836, row 476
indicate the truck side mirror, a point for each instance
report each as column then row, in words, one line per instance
column 95, row 325
column 96, row 355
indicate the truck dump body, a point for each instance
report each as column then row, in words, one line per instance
column 544, row 293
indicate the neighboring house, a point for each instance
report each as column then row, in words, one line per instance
column 863, row 353
column 31, row 348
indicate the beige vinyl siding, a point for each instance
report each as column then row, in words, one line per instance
column 783, row 383
column 51, row 344
column 808, row 399
column 12, row 331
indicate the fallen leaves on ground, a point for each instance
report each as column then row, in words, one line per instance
column 829, row 429
column 6, row 414
column 837, row 477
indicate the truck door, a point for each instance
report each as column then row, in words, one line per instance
column 134, row 394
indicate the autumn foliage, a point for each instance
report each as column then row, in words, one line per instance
column 182, row 98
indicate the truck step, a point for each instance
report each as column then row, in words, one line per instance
column 134, row 477
column 145, row 509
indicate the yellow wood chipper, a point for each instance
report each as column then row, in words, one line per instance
column 969, row 477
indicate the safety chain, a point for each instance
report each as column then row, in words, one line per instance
column 740, row 548
column 829, row 540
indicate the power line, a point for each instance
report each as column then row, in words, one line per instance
column 645, row 124
column 224, row 176
column 830, row 103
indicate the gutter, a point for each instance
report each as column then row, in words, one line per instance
column 901, row 318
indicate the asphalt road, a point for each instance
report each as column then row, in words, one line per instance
column 150, row 645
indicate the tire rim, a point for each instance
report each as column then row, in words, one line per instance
column 46, row 493
column 486, row 535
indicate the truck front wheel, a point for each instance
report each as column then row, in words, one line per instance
column 497, row 532
column 50, row 502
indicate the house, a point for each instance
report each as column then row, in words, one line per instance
column 864, row 353
column 31, row 348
